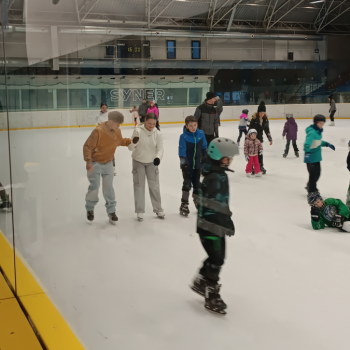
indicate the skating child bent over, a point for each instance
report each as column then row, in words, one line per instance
column 252, row 149
column 214, row 220
column 192, row 149
column 329, row 212
column 290, row 131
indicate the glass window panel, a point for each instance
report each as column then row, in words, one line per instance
column 196, row 50
column 171, row 49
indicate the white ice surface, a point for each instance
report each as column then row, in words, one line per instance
column 127, row 286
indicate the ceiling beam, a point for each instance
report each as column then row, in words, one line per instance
column 231, row 9
column 170, row 3
column 229, row 24
column 268, row 24
column 94, row 4
column 274, row 12
column 77, row 10
column 212, row 17
column 340, row 13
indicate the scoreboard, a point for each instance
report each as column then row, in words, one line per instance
column 133, row 49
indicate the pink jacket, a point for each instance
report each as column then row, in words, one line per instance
column 252, row 147
column 153, row 109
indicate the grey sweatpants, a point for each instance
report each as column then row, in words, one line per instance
column 140, row 171
column 107, row 173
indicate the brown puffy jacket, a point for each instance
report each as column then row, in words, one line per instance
column 252, row 147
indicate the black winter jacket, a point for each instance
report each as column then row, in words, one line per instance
column 214, row 214
column 255, row 124
column 143, row 109
column 207, row 118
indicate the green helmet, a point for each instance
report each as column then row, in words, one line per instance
column 222, row 147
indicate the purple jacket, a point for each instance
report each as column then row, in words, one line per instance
column 290, row 129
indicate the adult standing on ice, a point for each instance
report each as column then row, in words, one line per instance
column 207, row 118
column 260, row 123
column 147, row 152
column 313, row 154
column 99, row 151
column 332, row 109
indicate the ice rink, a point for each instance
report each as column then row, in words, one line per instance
column 127, row 286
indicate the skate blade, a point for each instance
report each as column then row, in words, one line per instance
column 112, row 222
column 184, row 215
column 197, row 291
column 218, row 312
column 139, row 220
column 89, row 222
column 161, row 217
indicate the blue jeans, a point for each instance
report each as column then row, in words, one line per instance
column 107, row 173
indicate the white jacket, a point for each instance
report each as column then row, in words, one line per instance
column 102, row 117
column 150, row 145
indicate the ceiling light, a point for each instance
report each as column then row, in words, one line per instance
column 314, row 2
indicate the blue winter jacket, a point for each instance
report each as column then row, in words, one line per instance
column 191, row 148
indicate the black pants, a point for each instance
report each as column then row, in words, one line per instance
column 157, row 125
column 331, row 116
column 142, row 119
column 114, row 162
column 209, row 138
column 215, row 248
column 241, row 131
column 314, row 170
column 191, row 178
column 2, row 193
column 295, row 147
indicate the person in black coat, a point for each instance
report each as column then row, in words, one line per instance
column 260, row 123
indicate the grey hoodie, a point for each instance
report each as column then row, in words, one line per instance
column 333, row 107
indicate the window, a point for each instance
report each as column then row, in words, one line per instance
column 171, row 49
column 196, row 50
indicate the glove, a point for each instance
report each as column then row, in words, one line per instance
column 156, row 161
column 338, row 221
column 247, row 158
column 231, row 231
column 135, row 139
column 315, row 214
column 260, row 152
column 331, row 146
column 307, row 158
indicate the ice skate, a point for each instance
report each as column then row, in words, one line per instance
column 213, row 301
column 90, row 215
column 6, row 205
column 263, row 170
column 284, row 155
column 113, row 218
column 297, row 154
column 140, row 216
column 331, row 124
column 250, row 174
column 161, row 215
column 258, row 174
column 199, row 285
column 184, row 211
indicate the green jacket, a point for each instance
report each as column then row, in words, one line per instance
column 332, row 206
column 313, row 143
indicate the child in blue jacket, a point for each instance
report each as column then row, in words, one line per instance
column 192, row 148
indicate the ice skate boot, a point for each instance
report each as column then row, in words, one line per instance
column 258, row 174
column 113, row 218
column 284, row 155
column 161, row 215
column 263, row 170
column 184, row 211
column 199, row 285
column 331, row 124
column 297, row 154
column 6, row 204
column 250, row 174
column 213, row 301
column 90, row 215
column 140, row 216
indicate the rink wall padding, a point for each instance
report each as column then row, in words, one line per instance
column 87, row 118
column 53, row 330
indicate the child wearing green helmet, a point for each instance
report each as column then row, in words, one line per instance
column 214, row 220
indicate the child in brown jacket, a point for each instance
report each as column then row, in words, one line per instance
column 99, row 151
column 252, row 150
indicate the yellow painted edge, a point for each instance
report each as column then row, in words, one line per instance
column 15, row 330
column 45, row 316
column 7, row 259
column 5, row 291
column 92, row 126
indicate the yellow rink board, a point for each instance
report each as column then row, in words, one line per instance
column 50, row 325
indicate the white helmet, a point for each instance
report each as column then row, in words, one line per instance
column 252, row 131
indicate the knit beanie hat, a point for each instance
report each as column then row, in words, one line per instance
column 245, row 111
column 210, row 95
column 319, row 118
column 262, row 107
column 116, row 117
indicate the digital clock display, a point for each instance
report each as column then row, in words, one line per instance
column 133, row 49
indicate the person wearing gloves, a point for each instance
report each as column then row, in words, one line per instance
column 192, row 149
column 332, row 109
column 260, row 123
column 103, row 115
column 153, row 109
column 312, row 148
column 99, row 151
column 252, row 149
column 290, row 131
column 143, row 110
column 206, row 116
column 243, row 122
column 147, row 152
column 330, row 212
